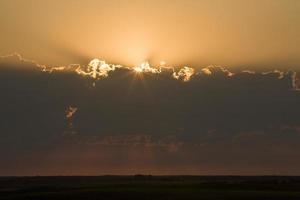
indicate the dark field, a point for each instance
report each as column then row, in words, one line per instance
column 150, row 187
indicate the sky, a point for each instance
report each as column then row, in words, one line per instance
column 181, row 87
column 231, row 33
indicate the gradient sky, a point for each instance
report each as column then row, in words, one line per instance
column 227, row 101
column 232, row 33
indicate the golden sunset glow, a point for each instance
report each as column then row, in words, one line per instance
column 138, row 69
column 91, row 87
column 193, row 32
column 185, row 73
column 97, row 69
column 145, row 67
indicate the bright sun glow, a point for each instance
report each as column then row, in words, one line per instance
column 145, row 67
column 138, row 69
column 98, row 69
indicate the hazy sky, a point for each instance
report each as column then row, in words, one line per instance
column 232, row 33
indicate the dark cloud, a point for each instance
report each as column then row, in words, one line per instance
column 214, row 110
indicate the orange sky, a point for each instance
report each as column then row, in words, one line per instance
column 248, row 34
column 94, row 118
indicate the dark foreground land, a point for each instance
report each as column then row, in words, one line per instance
column 150, row 187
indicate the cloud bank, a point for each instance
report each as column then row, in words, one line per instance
column 179, row 111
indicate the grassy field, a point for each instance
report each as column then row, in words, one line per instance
column 150, row 187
